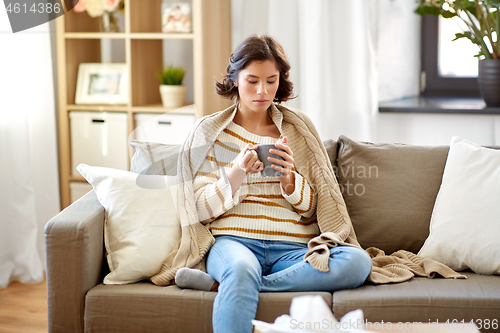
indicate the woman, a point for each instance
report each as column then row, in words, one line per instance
column 261, row 225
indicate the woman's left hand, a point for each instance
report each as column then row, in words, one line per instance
column 285, row 166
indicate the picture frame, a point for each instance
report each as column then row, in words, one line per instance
column 176, row 17
column 102, row 83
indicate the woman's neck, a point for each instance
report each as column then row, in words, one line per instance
column 251, row 120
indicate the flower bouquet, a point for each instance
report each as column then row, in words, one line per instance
column 105, row 8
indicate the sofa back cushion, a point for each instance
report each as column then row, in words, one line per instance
column 390, row 191
column 154, row 158
column 331, row 147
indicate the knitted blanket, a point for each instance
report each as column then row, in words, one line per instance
column 312, row 162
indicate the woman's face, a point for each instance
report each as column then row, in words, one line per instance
column 257, row 85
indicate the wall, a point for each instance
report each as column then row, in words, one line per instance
column 437, row 129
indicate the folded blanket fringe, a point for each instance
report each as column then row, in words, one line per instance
column 398, row 267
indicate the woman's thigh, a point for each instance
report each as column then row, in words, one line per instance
column 228, row 256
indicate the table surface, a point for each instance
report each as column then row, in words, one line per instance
column 417, row 328
column 423, row 328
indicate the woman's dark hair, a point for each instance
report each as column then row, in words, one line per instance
column 256, row 48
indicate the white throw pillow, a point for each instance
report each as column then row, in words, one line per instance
column 465, row 222
column 141, row 226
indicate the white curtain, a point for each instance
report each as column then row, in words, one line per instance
column 333, row 47
column 398, row 50
column 29, row 194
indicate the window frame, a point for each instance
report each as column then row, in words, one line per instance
column 434, row 84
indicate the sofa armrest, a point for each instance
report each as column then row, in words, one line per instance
column 74, row 248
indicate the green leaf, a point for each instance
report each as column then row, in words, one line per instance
column 469, row 5
column 160, row 77
column 436, row 9
column 466, row 34
column 448, row 14
column 428, row 10
column 492, row 3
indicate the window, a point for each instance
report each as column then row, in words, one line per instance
column 456, row 58
column 450, row 67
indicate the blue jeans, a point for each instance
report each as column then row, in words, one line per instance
column 244, row 267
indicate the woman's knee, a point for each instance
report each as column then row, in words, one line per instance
column 360, row 264
column 228, row 258
column 244, row 267
column 242, row 280
column 363, row 263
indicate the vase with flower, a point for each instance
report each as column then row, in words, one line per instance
column 105, row 8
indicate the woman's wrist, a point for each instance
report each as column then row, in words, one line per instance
column 237, row 169
column 236, row 176
column 288, row 183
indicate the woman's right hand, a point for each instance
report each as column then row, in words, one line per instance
column 248, row 161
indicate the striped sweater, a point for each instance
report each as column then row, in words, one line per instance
column 260, row 208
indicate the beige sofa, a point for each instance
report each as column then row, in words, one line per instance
column 390, row 204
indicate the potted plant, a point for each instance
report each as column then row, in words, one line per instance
column 171, row 89
column 483, row 27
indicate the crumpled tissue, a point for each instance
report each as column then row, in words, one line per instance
column 310, row 314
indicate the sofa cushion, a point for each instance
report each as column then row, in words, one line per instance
column 424, row 299
column 469, row 192
column 141, row 224
column 154, row 158
column 331, row 147
column 144, row 307
column 389, row 190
